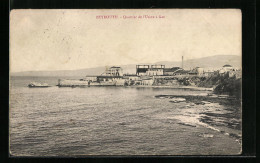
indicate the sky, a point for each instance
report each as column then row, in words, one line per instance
column 76, row 39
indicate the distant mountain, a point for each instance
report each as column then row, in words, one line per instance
column 80, row 72
column 212, row 62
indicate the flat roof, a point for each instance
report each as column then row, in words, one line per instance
column 227, row 66
column 109, row 76
column 115, row 67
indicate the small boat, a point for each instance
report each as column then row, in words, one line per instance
column 38, row 85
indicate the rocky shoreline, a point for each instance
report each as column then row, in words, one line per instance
column 201, row 100
column 138, row 86
column 173, row 87
column 232, row 117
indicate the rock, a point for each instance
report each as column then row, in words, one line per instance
column 207, row 135
column 176, row 100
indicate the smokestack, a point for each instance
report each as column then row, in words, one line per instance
column 182, row 62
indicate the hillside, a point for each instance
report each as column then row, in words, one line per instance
column 214, row 62
column 207, row 62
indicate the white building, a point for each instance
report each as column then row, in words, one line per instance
column 197, row 71
column 134, row 78
column 154, row 71
column 147, row 82
column 147, row 70
column 113, row 71
column 90, row 78
column 226, row 68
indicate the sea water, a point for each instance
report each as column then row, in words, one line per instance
column 68, row 121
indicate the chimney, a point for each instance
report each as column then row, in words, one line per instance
column 182, row 62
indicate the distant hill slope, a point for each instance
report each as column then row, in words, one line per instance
column 207, row 62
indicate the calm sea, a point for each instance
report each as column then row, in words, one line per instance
column 116, row 121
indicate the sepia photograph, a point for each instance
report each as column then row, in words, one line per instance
column 116, row 82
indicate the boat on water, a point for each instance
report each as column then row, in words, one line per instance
column 38, row 85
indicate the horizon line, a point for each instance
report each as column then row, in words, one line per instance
column 111, row 65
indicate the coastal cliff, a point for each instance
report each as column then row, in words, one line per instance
column 221, row 84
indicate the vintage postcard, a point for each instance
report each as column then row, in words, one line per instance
column 125, row 82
